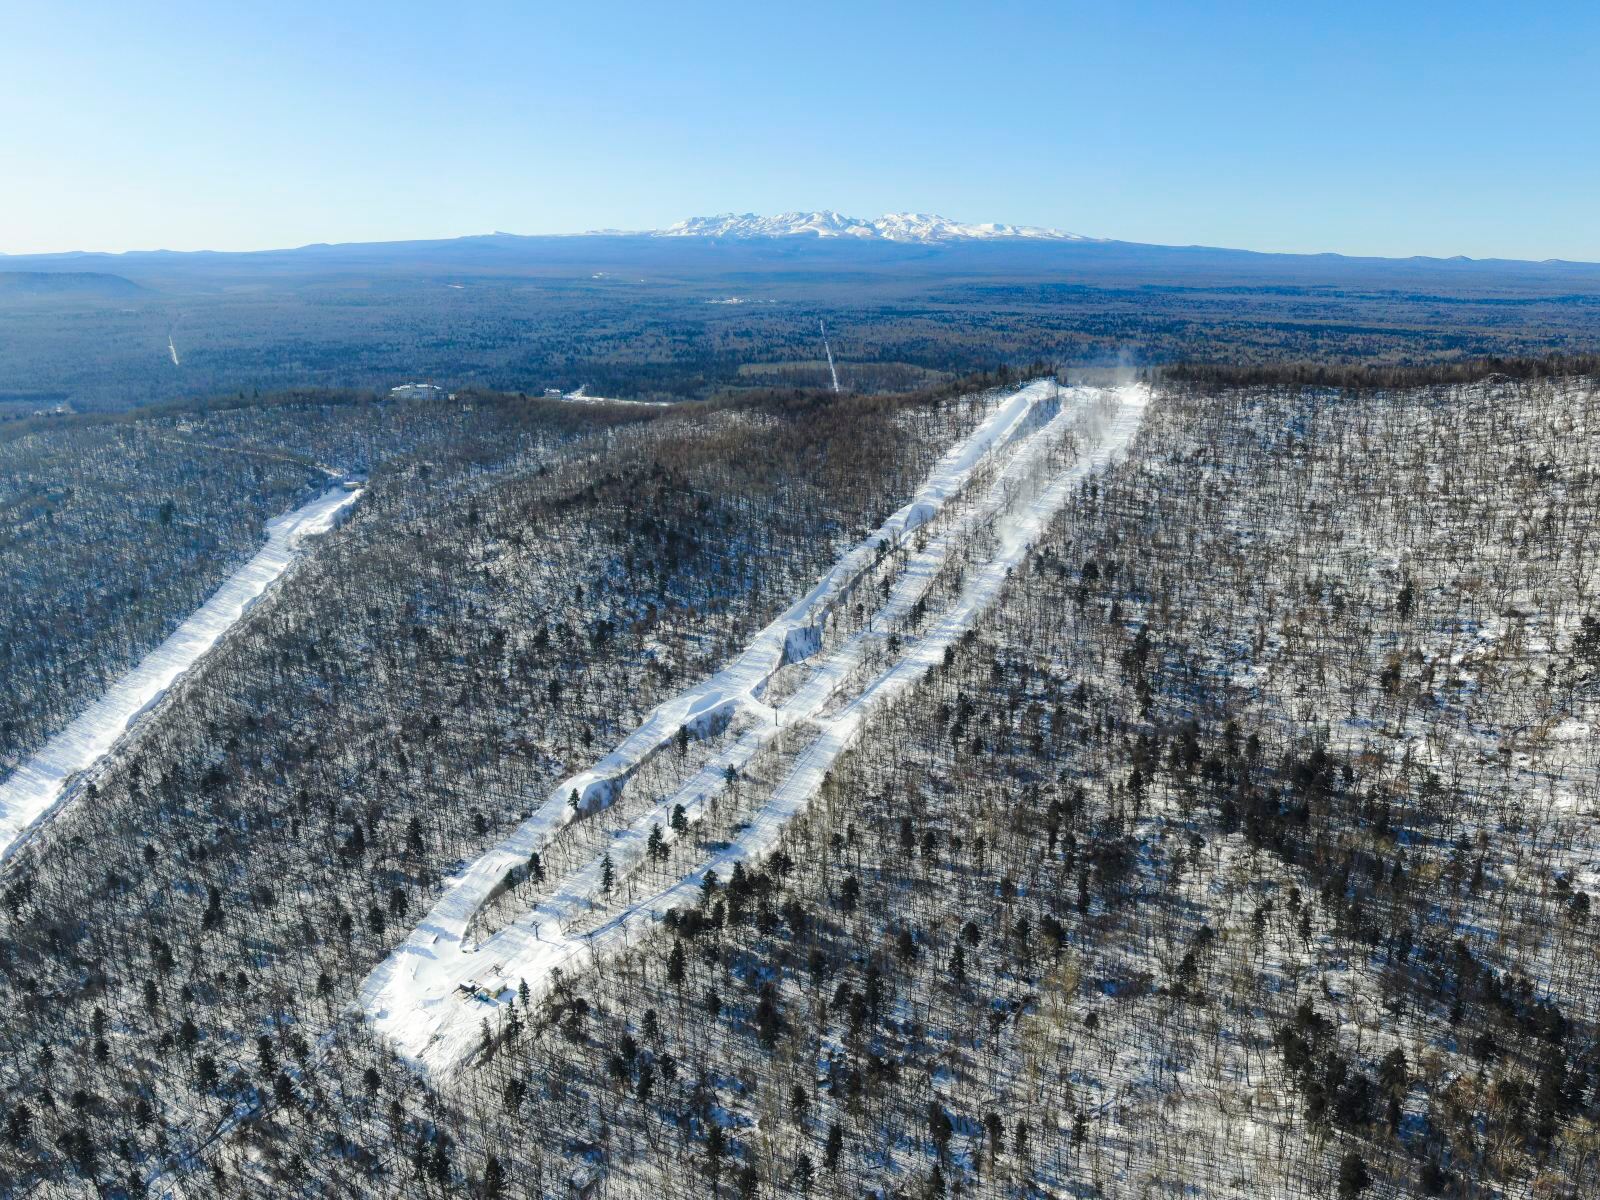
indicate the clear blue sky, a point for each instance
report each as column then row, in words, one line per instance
column 1387, row 128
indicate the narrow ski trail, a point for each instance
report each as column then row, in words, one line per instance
column 992, row 495
column 49, row 778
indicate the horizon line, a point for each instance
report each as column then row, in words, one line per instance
column 660, row 234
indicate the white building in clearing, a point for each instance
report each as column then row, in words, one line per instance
column 417, row 391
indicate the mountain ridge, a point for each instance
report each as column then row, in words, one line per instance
column 65, row 283
column 893, row 233
column 827, row 223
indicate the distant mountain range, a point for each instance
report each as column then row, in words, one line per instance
column 827, row 250
column 524, row 313
column 892, row 227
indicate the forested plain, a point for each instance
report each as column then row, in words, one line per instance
column 678, row 319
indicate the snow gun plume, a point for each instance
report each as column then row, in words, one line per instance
column 828, row 350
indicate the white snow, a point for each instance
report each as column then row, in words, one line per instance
column 832, row 370
column 891, row 227
column 414, row 997
column 580, row 395
column 40, row 785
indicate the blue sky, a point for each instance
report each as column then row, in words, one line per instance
column 1381, row 129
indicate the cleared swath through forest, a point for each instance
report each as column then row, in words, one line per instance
column 52, row 776
column 982, row 507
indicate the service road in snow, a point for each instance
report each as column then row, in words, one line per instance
column 42, row 783
column 431, row 996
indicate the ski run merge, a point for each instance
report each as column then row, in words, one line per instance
column 53, row 775
column 981, row 508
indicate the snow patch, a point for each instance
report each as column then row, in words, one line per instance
column 891, row 227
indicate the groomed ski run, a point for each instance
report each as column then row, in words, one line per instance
column 1004, row 483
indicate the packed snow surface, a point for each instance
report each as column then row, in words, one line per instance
column 43, row 782
column 891, row 227
column 432, row 995
column 580, row 395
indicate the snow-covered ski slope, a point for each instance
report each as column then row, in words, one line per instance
column 1007, row 479
column 42, row 783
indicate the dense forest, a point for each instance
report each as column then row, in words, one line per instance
column 468, row 629
column 1246, row 845
column 114, row 529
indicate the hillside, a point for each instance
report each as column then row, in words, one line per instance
column 1028, row 791
column 539, row 661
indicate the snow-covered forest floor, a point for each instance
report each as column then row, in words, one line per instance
column 51, row 776
column 112, row 532
column 1240, row 842
column 436, row 991
column 506, row 595
column 1156, row 887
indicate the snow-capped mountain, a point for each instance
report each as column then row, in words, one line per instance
column 893, row 227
